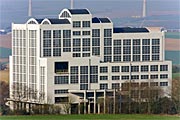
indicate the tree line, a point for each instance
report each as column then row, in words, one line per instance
column 132, row 97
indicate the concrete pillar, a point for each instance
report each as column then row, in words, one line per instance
column 99, row 109
column 79, row 108
column 70, row 110
column 94, row 101
column 89, row 108
column 114, row 98
column 27, row 107
column 84, row 102
column 30, row 108
column 24, row 106
column 104, row 101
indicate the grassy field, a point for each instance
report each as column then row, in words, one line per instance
column 93, row 117
column 4, row 75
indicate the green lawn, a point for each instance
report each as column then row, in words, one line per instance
column 92, row 117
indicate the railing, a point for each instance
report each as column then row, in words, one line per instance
column 62, row 71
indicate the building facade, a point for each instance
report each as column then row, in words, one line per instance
column 85, row 57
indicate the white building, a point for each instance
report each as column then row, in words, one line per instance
column 84, row 56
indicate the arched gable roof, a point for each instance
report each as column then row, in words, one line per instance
column 32, row 21
column 45, row 21
column 48, row 20
column 67, row 13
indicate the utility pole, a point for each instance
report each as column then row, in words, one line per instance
column 72, row 4
column 30, row 8
column 89, row 81
column 130, row 89
column 144, row 9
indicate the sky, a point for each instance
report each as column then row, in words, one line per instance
column 17, row 10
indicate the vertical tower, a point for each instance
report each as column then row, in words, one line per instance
column 30, row 8
column 71, row 4
column 144, row 9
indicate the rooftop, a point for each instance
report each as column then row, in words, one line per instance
column 78, row 11
column 55, row 21
column 59, row 21
column 130, row 30
column 100, row 20
column 39, row 20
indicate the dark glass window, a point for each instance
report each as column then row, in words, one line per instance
column 146, row 41
column 163, row 83
column 94, row 69
column 83, row 86
column 115, row 69
column 107, row 32
column 154, row 67
column 107, row 42
column 163, row 67
column 84, row 69
column 66, row 33
column 103, row 77
column 60, row 91
column 115, row 86
column 61, row 79
column 103, row 69
column 95, row 32
column 163, row 76
column 76, row 24
column 76, row 33
column 125, row 69
column 134, row 68
column 61, row 67
column 154, row 76
column 115, row 77
column 103, row 86
column 61, row 99
column 86, row 23
column 56, row 33
column 144, row 76
column 144, row 68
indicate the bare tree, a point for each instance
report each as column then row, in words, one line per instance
column 19, row 94
column 67, row 105
column 4, row 94
column 23, row 95
column 176, row 93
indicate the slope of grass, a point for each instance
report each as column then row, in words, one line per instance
column 93, row 117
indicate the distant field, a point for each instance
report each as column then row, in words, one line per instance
column 4, row 75
column 174, row 56
column 5, row 41
column 93, row 117
column 172, row 44
column 5, row 52
column 174, row 75
column 175, row 35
